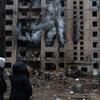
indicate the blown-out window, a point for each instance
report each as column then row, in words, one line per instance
column 94, row 3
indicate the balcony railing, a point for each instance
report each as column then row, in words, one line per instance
column 29, row 16
column 24, row 6
column 28, row 5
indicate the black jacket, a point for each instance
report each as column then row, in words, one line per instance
column 3, row 85
column 20, row 85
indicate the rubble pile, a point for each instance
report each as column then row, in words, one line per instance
column 57, row 86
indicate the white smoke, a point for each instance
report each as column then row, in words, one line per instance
column 61, row 30
column 36, row 3
column 51, row 8
column 19, row 34
column 57, row 5
column 50, row 24
column 50, row 35
column 19, row 25
column 27, row 34
column 46, row 23
column 33, row 26
column 22, row 37
column 53, row 23
column 36, row 37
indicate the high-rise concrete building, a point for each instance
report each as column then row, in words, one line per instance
column 10, row 31
column 31, row 33
column 53, row 34
column 83, row 33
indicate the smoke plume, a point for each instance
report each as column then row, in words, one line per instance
column 53, row 23
column 36, row 3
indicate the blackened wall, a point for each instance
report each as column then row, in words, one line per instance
column 2, row 22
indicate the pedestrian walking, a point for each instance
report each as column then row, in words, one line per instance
column 21, row 88
column 3, row 86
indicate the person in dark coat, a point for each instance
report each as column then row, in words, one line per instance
column 3, row 85
column 21, row 88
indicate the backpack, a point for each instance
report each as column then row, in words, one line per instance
column 3, row 85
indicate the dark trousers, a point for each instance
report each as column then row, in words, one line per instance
column 1, row 97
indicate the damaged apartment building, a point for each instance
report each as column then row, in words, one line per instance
column 35, row 33
column 83, row 34
column 53, row 34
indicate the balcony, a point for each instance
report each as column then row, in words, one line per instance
column 8, row 38
column 49, row 59
column 9, row 7
column 9, row 17
column 36, row 7
column 29, row 17
column 61, row 59
column 26, row 6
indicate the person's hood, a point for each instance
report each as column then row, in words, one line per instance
column 19, row 68
column 2, row 62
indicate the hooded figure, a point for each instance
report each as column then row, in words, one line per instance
column 20, row 85
column 3, row 85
